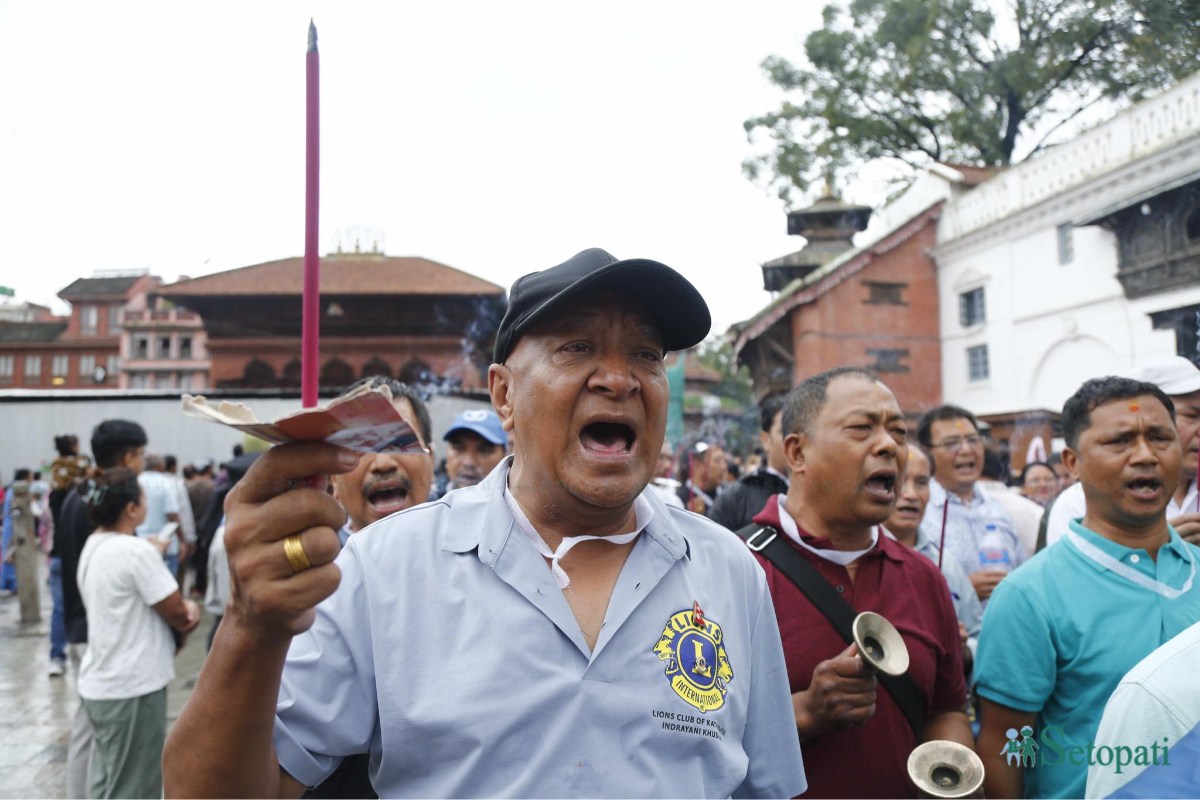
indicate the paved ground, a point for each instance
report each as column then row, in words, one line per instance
column 36, row 709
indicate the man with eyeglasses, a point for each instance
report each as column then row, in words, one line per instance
column 978, row 532
column 384, row 483
column 380, row 485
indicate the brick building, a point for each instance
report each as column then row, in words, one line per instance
column 80, row 351
column 410, row 318
column 873, row 306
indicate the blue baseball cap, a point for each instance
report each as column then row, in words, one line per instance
column 481, row 421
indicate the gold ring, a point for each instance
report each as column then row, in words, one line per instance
column 293, row 548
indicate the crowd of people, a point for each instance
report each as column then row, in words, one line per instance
column 572, row 606
column 163, row 533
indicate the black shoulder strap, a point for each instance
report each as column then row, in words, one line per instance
column 770, row 543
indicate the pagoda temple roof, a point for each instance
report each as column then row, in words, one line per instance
column 341, row 274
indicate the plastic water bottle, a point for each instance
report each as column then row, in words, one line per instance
column 993, row 549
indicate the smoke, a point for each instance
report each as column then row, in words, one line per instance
column 477, row 320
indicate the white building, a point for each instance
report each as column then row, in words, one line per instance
column 1081, row 262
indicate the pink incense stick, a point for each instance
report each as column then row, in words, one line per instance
column 310, row 325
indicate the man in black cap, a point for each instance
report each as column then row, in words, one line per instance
column 554, row 630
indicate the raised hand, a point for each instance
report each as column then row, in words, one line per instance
column 281, row 538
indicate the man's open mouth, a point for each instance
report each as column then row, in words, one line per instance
column 1145, row 487
column 388, row 496
column 908, row 508
column 881, row 484
column 607, row 438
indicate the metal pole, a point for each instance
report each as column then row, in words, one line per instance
column 25, row 554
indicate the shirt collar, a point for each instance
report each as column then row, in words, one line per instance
column 923, row 539
column 480, row 518
column 774, row 515
column 1175, row 545
column 1189, row 504
column 922, row 543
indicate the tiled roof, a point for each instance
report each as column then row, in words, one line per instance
column 31, row 331
column 99, row 287
column 815, row 253
column 341, row 274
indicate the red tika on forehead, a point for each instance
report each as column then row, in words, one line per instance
column 1133, row 407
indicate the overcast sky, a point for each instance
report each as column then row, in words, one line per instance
column 496, row 137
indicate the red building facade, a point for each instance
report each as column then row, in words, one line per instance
column 873, row 307
column 80, row 351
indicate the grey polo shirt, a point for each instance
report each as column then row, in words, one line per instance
column 450, row 656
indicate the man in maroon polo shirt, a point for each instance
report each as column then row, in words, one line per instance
column 846, row 448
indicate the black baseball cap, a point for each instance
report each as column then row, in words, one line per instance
column 678, row 309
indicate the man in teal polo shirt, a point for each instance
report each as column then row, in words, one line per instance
column 1061, row 631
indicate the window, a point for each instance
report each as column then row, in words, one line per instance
column 885, row 293
column 6, row 368
column 141, row 347
column 1066, row 244
column 89, row 318
column 59, row 366
column 972, row 309
column 137, row 380
column 111, row 369
column 185, row 381
column 164, row 347
column 114, row 319
column 87, row 365
column 888, row 360
column 977, row 363
column 166, row 380
column 33, row 367
column 185, row 347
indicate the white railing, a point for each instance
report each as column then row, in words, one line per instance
column 1152, row 125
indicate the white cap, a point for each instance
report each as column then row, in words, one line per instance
column 1175, row 375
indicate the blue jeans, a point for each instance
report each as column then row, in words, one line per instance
column 58, row 626
column 172, row 562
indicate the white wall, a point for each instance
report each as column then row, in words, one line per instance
column 1051, row 326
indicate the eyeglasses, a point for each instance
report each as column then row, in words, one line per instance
column 956, row 443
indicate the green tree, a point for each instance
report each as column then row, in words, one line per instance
column 946, row 80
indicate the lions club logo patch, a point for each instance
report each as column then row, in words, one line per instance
column 697, row 666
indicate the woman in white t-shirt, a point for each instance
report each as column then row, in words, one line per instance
column 132, row 602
